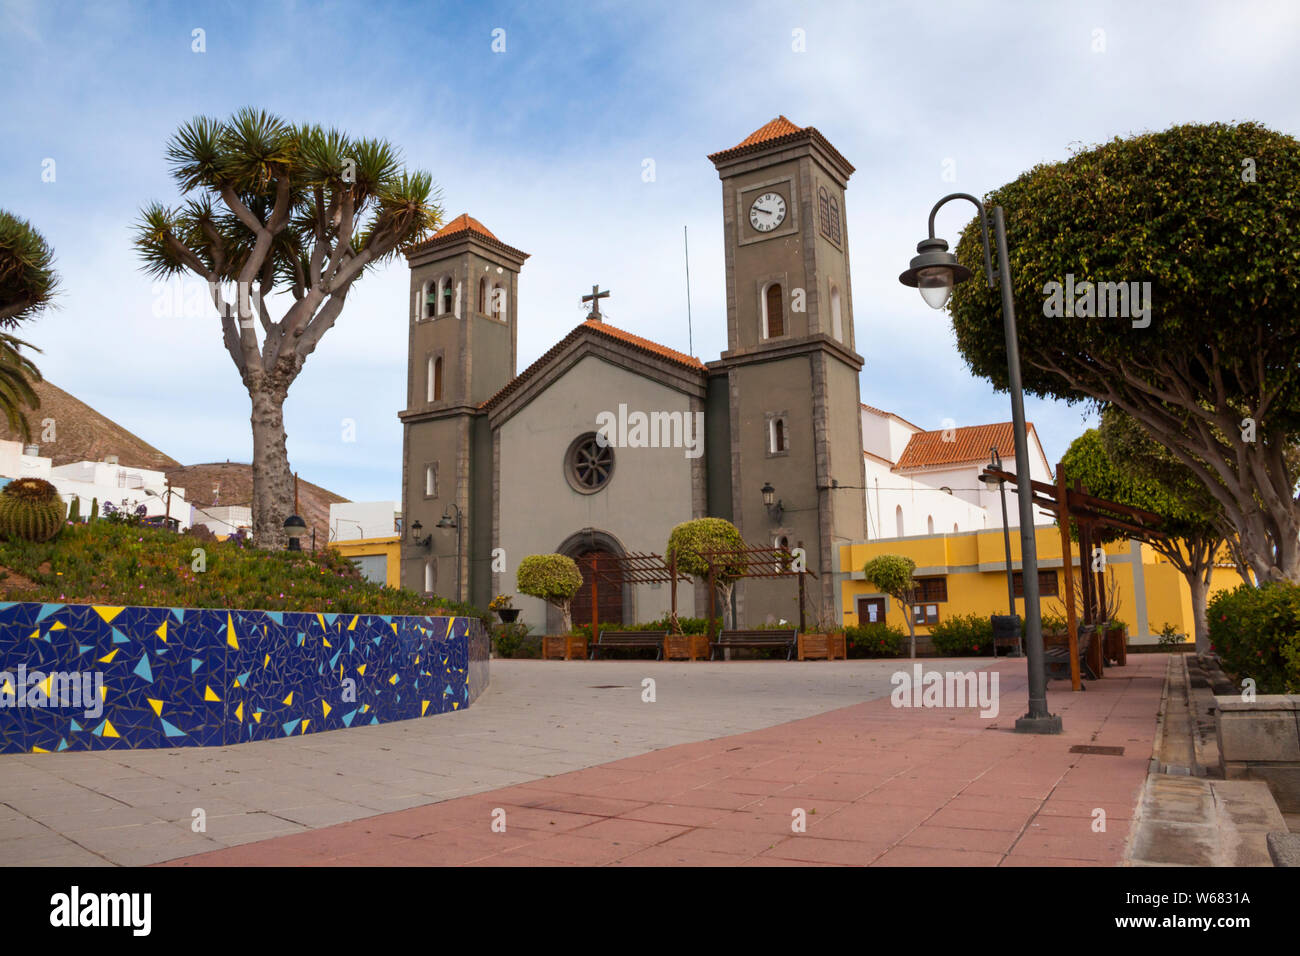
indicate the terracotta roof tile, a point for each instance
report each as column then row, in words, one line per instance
column 600, row 328
column 778, row 127
column 460, row 224
column 780, row 131
column 969, row 444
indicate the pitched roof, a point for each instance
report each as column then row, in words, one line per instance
column 461, row 223
column 780, row 132
column 884, row 414
column 970, row 443
column 460, row 227
column 592, row 326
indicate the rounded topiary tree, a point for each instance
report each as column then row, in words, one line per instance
column 892, row 574
column 689, row 539
column 554, row 578
column 31, row 509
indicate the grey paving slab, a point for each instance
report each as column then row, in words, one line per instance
column 536, row 719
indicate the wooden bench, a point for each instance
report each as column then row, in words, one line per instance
column 630, row 639
column 1057, row 657
column 759, row 639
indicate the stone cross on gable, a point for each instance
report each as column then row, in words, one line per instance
column 594, row 299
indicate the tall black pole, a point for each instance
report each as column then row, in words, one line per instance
column 1037, row 720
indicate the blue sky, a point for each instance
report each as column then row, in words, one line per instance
column 545, row 144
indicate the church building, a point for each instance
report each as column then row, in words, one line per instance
column 609, row 440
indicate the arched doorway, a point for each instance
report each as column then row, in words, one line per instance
column 614, row 602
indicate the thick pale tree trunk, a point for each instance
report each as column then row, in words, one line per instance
column 272, row 477
column 1199, row 583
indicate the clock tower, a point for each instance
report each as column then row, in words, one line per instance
column 791, row 361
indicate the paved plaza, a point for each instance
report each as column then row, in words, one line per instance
column 536, row 720
column 876, row 785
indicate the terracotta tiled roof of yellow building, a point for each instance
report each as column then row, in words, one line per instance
column 601, row 328
column 779, row 132
column 967, row 444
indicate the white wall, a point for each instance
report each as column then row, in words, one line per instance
column 350, row 520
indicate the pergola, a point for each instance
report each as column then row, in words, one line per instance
column 1090, row 514
column 632, row 568
column 759, row 562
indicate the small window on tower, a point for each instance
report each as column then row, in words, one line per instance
column 824, row 208
column 446, row 296
column 837, row 319
column 778, row 440
column 437, row 379
column 482, row 295
column 773, row 313
column 835, row 221
column 499, row 302
column 430, row 300
column 431, row 480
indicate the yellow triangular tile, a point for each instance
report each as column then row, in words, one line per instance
column 156, row 705
column 162, row 631
column 58, row 626
column 325, row 707
column 424, row 705
column 267, row 662
column 362, row 670
column 326, row 642
column 209, row 695
column 353, row 625
column 289, row 700
column 108, row 613
column 47, row 686
column 393, row 679
column 35, row 635
column 109, row 730
column 257, row 716
column 239, row 711
column 231, row 640
column 305, row 722
column 108, row 658
column 39, row 750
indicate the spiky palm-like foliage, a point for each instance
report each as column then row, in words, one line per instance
column 31, row 509
column 276, row 207
column 28, row 283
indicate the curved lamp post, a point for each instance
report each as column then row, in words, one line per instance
column 934, row 272
column 294, row 528
column 447, row 521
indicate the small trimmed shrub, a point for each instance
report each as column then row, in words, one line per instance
column 1256, row 632
column 963, row 636
column 875, row 640
column 554, row 578
column 31, row 510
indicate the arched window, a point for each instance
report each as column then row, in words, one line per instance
column 482, row 295
column 777, row 438
column 773, row 312
column 824, row 208
column 498, row 302
column 898, row 516
column 430, row 297
column 446, row 296
column 929, row 524
column 782, row 563
column 437, row 380
column 837, row 320
column 835, row 220
column 430, row 575
column 430, row 374
column 954, row 527
column 431, row 481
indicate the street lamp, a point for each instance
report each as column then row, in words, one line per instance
column 995, row 464
column 774, row 508
column 416, row 540
column 295, row 528
column 934, row 272
column 447, row 521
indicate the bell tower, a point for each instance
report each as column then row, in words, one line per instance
column 461, row 351
column 792, row 368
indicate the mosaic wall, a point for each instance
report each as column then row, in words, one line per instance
column 91, row 677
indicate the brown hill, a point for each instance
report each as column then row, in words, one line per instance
column 236, row 483
column 82, row 434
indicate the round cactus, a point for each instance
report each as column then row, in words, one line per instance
column 31, row 509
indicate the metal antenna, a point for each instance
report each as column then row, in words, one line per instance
column 690, row 335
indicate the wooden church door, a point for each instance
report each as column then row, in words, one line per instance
column 609, row 596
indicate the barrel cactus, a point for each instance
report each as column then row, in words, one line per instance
column 31, row 509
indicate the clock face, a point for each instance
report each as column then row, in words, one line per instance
column 767, row 212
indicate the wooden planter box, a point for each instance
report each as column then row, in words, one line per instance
column 828, row 646
column 692, row 646
column 564, row 648
column 1056, row 638
column 1117, row 646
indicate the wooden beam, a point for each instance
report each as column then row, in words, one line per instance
column 1063, row 519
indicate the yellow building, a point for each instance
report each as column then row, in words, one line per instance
column 377, row 558
column 960, row 574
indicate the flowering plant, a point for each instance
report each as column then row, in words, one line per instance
column 502, row 602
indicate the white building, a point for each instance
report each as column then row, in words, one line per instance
column 224, row 519
column 106, row 481
column 927, row 482
column 354, row 520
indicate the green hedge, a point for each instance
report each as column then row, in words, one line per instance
column 1256, row 632
column 965, row 635
column 875, row 640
